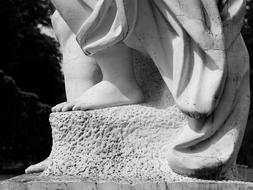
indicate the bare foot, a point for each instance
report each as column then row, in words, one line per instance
column 101, row 95
column 58, row 107
column 37, row 168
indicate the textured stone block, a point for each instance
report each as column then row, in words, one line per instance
column 206, row 69
column 125, row 144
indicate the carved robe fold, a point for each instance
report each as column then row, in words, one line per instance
column 198, row 49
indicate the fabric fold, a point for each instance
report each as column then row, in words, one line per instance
column 192, row 43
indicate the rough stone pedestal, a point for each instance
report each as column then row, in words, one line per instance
column 127, row 144
column 33, row 182
column 123, row 148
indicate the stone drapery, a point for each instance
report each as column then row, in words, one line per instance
column 198, row 49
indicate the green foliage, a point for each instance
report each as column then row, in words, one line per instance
column 32, row 60
column 27, row 55
column 25, row 136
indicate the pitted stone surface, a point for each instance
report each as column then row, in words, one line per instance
column 120, row 143
column 127, row 144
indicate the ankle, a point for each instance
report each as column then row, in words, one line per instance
column 129, row 88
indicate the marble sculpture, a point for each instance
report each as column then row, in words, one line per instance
column 197, row 47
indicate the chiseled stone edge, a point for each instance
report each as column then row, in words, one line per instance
column 35, row 181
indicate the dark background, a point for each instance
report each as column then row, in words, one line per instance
column 31, row 82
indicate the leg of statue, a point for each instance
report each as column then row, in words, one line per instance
column 118, row 86
column 80, row 72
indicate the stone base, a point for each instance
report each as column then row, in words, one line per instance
column 36, row 182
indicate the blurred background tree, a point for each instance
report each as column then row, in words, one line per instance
column 28, row 55
column 29, row 60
